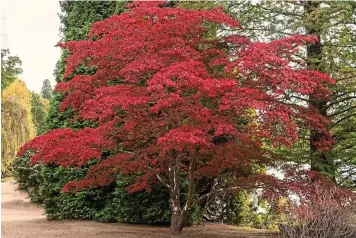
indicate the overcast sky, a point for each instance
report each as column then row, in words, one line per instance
column 30, row 30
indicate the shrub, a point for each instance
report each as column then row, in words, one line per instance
column 195, row 215
column 44, row 183
column 112, row 203
column 29, row 178
column 139, row 207
column 327, row 215
column 250, row 209
column 142, row 207
column 59, row 205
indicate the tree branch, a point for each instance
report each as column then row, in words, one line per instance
column 347, row 117
column 342, row 111
column 340, row 101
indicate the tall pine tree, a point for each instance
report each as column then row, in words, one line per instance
column 333, row 22
column 46, row 91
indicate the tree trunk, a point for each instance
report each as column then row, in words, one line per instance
column 174, row 193
column 177, row 222
column 178, row 213
column 177, row 218
column 314, row 56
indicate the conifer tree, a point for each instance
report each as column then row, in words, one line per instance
column 333, row 22
column 46, row 91
column 39, row 109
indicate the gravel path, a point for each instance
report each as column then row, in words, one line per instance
column 22, row 219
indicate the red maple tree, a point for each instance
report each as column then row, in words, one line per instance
column 171, row 104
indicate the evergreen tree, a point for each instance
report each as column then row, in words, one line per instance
column 39, row 108
column 333, row 22
column 47, row 91
column 76, row 19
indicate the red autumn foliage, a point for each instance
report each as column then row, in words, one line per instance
column 172, row 103
column 69, row 147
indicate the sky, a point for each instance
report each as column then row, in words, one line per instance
column 30, row 30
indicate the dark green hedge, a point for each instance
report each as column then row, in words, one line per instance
column 106, row 204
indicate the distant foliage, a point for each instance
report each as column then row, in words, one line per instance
column 39, row 110
column 47, row 90
column 10, row 68
column 16, row 122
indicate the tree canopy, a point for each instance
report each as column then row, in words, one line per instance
column 333, row 22
column 10, row 68
column 76, row 19
column 16, row 122
column 39, row 109
column 171, row 104
column 46, row 91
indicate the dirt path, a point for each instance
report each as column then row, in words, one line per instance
column 22, row 219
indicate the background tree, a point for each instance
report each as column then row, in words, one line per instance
column 333, row 23
column 46, row 91
column 39, row 109
column 167, row 103
column 76, row 19
column 10, row 68
column 16, row 122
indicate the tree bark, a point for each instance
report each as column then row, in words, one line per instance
column 179, row 213
column 174, row 201
column 177, row 222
